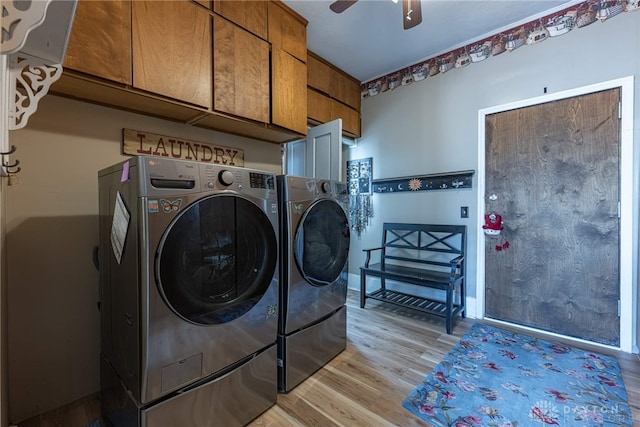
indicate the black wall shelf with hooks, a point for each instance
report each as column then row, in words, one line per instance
column 436, row 181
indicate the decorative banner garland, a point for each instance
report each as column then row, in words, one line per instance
column 436, row 181
column 533, row 32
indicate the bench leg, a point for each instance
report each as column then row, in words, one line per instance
column 463, row 300
column 363, row 289
column 449, row 309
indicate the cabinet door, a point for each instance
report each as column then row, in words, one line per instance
column 347, row 90
column 319, row 106
column 350, row 118
column 100, row 41
column 250, row 15
column 287, row 31
column 332, row 81
column 319, row 74
column 288, row 92
column 172, row 50
column 322, row 109
column 241, row 72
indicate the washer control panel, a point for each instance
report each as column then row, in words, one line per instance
column 261, row 180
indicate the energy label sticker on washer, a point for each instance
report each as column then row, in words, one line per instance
column 119, row 227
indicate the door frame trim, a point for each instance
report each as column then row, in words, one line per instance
column 628, row 203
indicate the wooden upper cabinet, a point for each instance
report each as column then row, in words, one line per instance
column 241, row 72
column 332, row 81
column 323, row 109
column 319, row 74
column 318, row 106
column 288, row 91
column 172, row 53
column 333, row 94
column 347, row 90
column 250, row 15
column 100, row 41
column 287, row 30
column 351, row 122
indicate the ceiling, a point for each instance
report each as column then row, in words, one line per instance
column 368, row 40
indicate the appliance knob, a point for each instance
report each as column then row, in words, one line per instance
column 225, row 177
column 325, row 187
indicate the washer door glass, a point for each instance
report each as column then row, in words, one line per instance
column 322, row 243
column 216, row 259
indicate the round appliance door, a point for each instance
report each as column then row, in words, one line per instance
column 321, row 244
column 216, row 259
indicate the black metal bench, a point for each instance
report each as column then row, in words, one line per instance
column 426, row 255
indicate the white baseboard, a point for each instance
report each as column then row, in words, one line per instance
column 470, row 309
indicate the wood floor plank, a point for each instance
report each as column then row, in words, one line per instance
column 389, row 352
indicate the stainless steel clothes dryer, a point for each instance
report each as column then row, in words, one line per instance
column 314, row 253
column 188, row 292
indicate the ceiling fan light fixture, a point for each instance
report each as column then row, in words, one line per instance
column 411, row 10
column 412, row 13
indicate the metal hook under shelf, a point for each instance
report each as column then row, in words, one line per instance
column 10, row 172
column 11, row 151
column 13, row 165
column 8, row 167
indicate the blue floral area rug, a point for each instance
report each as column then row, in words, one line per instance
column 498, row 378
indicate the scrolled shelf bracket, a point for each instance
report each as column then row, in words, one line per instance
column 29, row 79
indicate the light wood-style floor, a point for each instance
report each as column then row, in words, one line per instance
column 389, row 351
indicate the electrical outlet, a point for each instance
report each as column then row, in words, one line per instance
column 464, row 211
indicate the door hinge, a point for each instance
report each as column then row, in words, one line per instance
column 619, row 308
column 619, row 209
column 619, row 110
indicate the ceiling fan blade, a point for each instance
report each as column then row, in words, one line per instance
column 340, row 6
column 411, row 13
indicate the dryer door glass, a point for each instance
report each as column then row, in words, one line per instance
column 322, row 243
column 216, row 259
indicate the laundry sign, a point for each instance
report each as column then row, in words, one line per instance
column 138, row 143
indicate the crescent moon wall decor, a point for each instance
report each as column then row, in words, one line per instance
column 436, row 181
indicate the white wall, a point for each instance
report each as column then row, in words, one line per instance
column 431, row 126
column 52, row 226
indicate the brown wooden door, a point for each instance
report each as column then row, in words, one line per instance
column 552, row 172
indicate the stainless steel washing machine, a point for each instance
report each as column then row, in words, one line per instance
column 188, row 293
column 314, row 254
